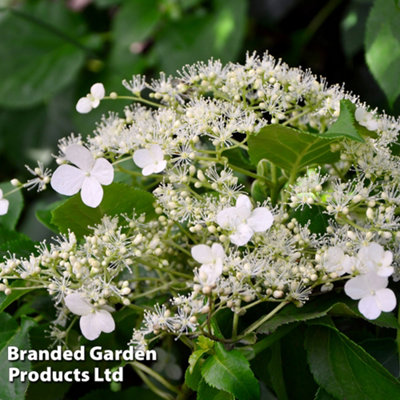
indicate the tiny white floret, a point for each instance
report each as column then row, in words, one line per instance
column 87, row 177
column 243, row 221
column 92, row 100
column 150, row 160
column 94, row 320
column 4, row 203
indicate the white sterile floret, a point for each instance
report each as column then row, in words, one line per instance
column 4, row 203
column 212, row 259
column 243, row 221
column 366, row 119
column 94, row 320
column 88, row 175
column 334, row 260
column 92, row 100
column 371, row 290
column 150, row 160
column 374, row 258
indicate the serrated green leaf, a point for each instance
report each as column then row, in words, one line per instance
column 274, row 367
column 16, row 204
column 382, row 47
column 206, row 392
column 205, row 343
column 118, row 198
column 344, row 126
column 344, row 369
column 193, row 374
column 42, row 56
column 200, row 36
column 230, row 371
column 12, row 335
column 258, row 191
column 290, row 149
column 321, row 307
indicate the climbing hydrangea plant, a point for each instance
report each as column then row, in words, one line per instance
column 220, row 208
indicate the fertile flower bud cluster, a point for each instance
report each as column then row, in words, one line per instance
column 216, row 242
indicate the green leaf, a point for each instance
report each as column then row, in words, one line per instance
column 200, row 36
column 206, row 392
column 230, row 371
column 42, row 56
column 299, row 382
column 6, row 300
column 344, row 369
column 274, row 367
column 15, row 243
column 321, row 307
column 16, row 203
column 289, row 148
column 322, row 395
column 382, row 47
column 118, row 198
column 352, row 26
column 44, row 215
column 12, row 335
column 193, row 372
column 344, row 126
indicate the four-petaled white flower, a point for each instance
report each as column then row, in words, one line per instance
column 212, row 259
column 4, row 203
column 88, row 175
column 374, row 258
column 243, row 221
column 94, row 320
column 371, row 290
column 150, row 160
column 92, row 100
column 366, row 119
column 334, row 260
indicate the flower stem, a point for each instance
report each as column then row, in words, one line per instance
column 151, row 385
column 260, row 321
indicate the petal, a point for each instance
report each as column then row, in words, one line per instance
column 356, row 288
column 385, row 271
column 97, row 90
column 1, row 193
column 92, row 192
column 387, row 258
column 260, row 220
column 77, row 304
column 242, row 235
column 156, row 152
column 142, row 158
column 372, row 124
column 80, row 156
column 385, row 299
column 369, row 307
column 103, row 171
column 360, row 114
column 105, row 321
column 67, row 180
column 88, row 326
column 95, row 103
column 226, row 218
column 159, row 166
column 244, row 201
column 84, row 105
column 4, row 206
column 217, row 251
column 202, row 254
column 148, row 170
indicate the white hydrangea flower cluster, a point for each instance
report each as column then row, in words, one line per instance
column 212, row 246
